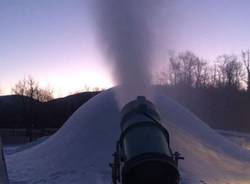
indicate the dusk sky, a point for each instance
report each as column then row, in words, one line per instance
column 56, row 41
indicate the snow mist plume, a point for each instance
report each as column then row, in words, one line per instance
column 126, row 34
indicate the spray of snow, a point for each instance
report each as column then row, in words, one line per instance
column 126, row 29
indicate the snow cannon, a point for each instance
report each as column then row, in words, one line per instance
column 143, row 154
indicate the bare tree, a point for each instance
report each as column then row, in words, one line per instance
column 201, row 75
column 20, row 88
column 188, row 61
column 231, row 73
column 175, row 70
column 246, row 62
column 91, row 89
column 44, row 95
column 163, row 78
column 188, row 69
column 30, row 88
column 214, row 75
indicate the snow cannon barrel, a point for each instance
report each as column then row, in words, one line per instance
column 143, row 154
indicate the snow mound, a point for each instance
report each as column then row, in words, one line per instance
column 81, row 150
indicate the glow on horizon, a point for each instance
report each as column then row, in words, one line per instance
column 67, row 75
column 71, row 84
column 63, row 85
column 68, row 83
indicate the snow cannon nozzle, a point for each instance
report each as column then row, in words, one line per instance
column 143, row 153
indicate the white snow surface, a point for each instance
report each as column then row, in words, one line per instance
column 81, row 150
column 242, row 139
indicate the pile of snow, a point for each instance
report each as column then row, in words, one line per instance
column 81, row 150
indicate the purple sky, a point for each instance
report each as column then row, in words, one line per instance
column 55, row 40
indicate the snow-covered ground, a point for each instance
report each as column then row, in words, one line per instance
column 81, row 150
column 12, row 149
column 242, row 139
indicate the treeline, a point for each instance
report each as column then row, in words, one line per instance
column 187, row 69
column 218, row 92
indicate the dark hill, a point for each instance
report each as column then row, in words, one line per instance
column 20, row 111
